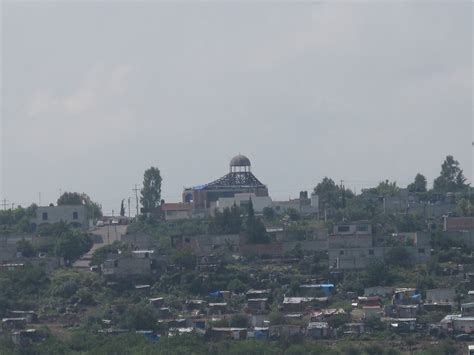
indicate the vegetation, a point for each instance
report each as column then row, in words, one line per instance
column 151, row 191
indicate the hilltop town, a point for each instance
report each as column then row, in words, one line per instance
column 229, row 269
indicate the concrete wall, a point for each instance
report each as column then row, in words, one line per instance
column 440, row 295
column 350, row 241
column 56, row 214
column 258, row 202
column 359, row 258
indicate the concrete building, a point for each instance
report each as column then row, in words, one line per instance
column 136, row 264
column 176, row 211
column 139, row 241
column 75, row 215
column 351, row 235
column 440, row 296
column 239, row 180
column 303, row 204
column 359, row 258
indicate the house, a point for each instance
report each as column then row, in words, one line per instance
column 407, row 311
column 139, row 241
column 176, row 211
column 351, row 235
column 258, row 333
column 406, row 296
column 325, row 314
column 74, row 215
column 373, row 301
column 316, row 290
column 304, row 205
column 455, row 323
column 30, row 316
column 296, row 304
column 382, row 291
column 135, row 264
column 24, row 337
column 157, row 301
column 13, row 323
column 257, row 294
column 229, row 333
column 439, row 299
column 257, row 305
column 458, row 223
column 467, row 309
column 285, row 330
column 317, row 330
column 403, row 324
column 354, row 328
column 217, row 308
column 203, row 245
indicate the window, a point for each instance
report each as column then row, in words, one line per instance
column 362, row 228
column 45, row 216
column 343, row 229
column 371, row 251
column 341, row 252
column 187, row 240
column 115, row 263
column 421, row 251
column 75, row 215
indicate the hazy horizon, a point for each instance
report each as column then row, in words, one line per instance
column 94, row 93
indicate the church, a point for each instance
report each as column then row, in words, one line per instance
column 239, row 180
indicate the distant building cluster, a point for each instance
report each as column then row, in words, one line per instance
column 237, row 188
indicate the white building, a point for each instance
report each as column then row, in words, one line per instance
column 76, row 215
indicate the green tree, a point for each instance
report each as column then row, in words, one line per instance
column 151, row 191
column 26, row 248
column 70, row 198
column 451, row 178
column 387, row 188
column 122, row 208
column 419, row 185
column 255, row 229
column 332, row 196
column 94, row 210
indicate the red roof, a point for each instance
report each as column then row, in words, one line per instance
column 459, row 223
column 176, row 207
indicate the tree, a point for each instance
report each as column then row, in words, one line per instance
column 387, row 188
column 151, row 191
column 451, row 178
column 256, row 231
column 94, row 210
column 332, row 196
column 70, row 198
column 122, row 209
column 419, row 185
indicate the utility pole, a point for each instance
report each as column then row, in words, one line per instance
column 136, row 196
column 39, row 198
column 129, row 207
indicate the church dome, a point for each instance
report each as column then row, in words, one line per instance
column 240, row 160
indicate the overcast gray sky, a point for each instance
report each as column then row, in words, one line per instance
column 94, row 93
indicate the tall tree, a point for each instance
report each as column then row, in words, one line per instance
column 94, row 210
column 451, row 178
column 419, row 185
column 332, row 196
column 70, row 198
column 151, row 191
column 122, row 208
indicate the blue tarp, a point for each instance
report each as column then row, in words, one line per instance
column 215, row 294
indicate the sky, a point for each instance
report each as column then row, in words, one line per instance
column 94, row 93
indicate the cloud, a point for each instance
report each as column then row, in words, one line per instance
column 97, row 85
